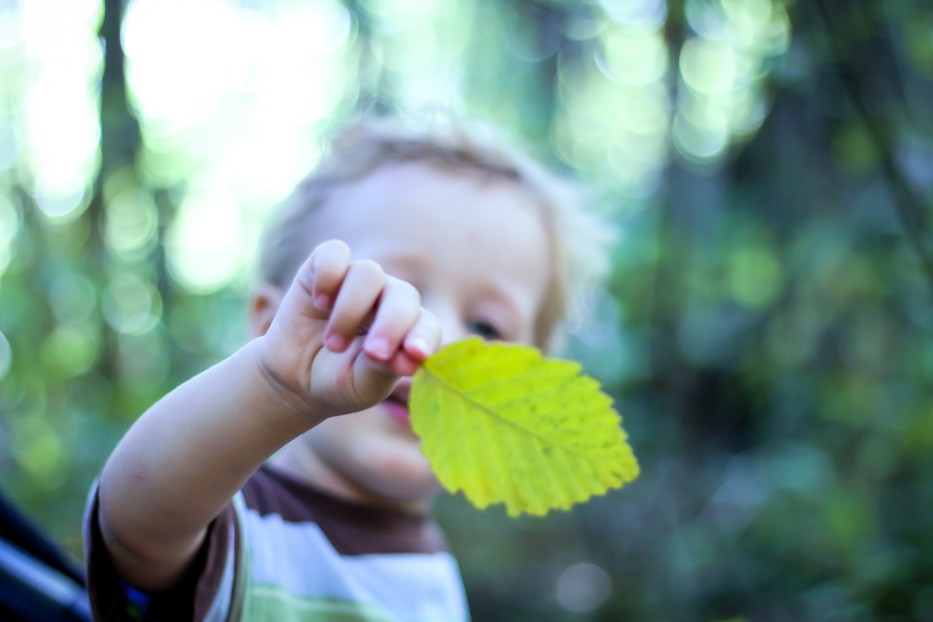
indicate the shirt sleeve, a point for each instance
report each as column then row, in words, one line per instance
column 204, row 593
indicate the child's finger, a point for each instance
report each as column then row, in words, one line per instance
column 399, row 308
column 422, row 341
column 362, row 286
column 330, row 262
column 401, row 364
column 424, row 338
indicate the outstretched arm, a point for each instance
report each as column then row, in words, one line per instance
column 343, row 335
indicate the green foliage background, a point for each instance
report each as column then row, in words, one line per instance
column 766, row 334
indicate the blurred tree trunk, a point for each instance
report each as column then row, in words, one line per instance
column 862, row 55
column 120, row 136
column 119, row 145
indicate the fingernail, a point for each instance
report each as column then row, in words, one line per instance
column 417, row 345
column 322, row 301
column 377, row 347
column 335, row 342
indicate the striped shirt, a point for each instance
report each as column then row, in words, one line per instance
column 283, row 551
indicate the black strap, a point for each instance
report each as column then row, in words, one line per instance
column 31, row 591
column 16, row 529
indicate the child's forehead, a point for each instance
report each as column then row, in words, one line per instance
column 425, row 175
column 423, row 190
column 418, row 210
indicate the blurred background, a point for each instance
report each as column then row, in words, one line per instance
column 766, row 332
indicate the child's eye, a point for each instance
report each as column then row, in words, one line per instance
column 485, row 330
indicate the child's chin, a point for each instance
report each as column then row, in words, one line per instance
column 404, row 472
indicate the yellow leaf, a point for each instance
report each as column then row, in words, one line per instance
column 505, row 425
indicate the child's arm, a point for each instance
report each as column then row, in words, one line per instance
column 182, row 461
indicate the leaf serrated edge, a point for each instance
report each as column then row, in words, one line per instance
column 457, row 393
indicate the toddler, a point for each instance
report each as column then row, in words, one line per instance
column 285, row 482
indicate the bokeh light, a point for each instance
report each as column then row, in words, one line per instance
column 205, row 243
column 582, row 587
column 9, row 226
column 6, row 356
column 286, row 67
column 71, row 349
column 615, row 116
column 60, row 59
column 721, row 71
column 131, row 304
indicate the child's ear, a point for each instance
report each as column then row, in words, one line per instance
column 263, row 305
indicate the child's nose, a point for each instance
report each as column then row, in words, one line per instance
column 452, row 327
column 453, row 332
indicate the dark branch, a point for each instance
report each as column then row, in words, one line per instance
column 910, row 207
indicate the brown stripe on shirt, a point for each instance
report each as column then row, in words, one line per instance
column 352, row 528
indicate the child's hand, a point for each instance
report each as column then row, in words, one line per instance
column 344, row 333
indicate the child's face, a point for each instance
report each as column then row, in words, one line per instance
column 477, row 251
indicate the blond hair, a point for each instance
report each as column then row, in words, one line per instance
column 577, row 240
